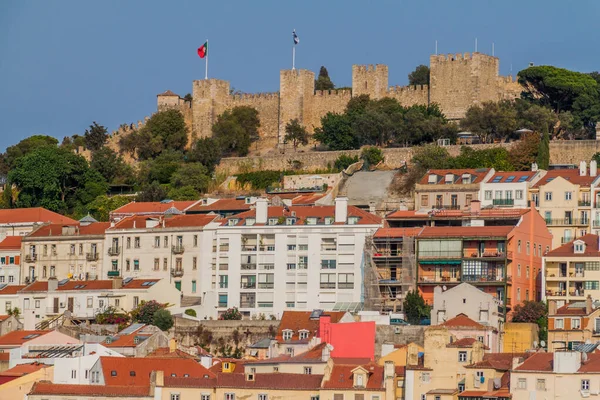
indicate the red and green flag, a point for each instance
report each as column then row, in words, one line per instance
column 203, row 50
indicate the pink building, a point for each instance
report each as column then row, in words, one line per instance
column 349, row 339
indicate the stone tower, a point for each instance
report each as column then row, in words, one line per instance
column 371, row 80
column 210, row 100
column 296, row 91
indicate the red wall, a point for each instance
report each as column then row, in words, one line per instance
column 349, row 339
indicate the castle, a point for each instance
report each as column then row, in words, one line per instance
column 457, row 81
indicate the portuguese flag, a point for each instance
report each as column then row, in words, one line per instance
column 203, row 50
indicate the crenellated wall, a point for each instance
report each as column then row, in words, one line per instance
column 409, row 95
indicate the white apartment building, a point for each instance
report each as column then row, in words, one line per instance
column 509, row 189
column 167, row 247
column 271, row 259
column 63, row 251
column 43, row 300
column 10, row 260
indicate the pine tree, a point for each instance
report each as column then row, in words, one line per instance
column 323, row 82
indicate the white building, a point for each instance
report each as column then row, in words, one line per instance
column 272, row 259
column 171, row 248
column 509, row 189
column 10, row 260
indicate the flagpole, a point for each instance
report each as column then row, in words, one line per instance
column 206, row 65
column 294, row 57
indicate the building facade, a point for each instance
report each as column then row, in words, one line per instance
column 509, row 189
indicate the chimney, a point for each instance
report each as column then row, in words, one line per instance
column 566, row 362
column 262, row 210
column 160, row 378
column 52, row 284
column 389, row 369
column 117, row 283
column 134, row 224
column 475, row 206
column 582, row 168
column 172, row 345
column 341, row 209
column 593, row 168
column 534, row 167
column 68, row 230
column 412, row 354
column 589, row 306
column 551, row 307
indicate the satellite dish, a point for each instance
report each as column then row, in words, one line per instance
column 543, row 343
column 535, row 344
column 444, row 287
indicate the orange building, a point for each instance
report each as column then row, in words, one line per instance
column 504, row 261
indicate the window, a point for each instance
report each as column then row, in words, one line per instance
column 522, row 383
column 527, row 271
column 488, row 194
column 72, row 249
column 165, row 264
column 8, row 306
column 575, row 323
column 11, row 279
column 426, row 377
column 327, row 281
column 156, row 264
column 1, row 278
column 127, row 264
column 568, row 195
column 117, row 302
column 307, row 370
column 136, row 301
column 526, row 294
column 166, row 241
column 462, row 356
column 527, row 248
column 136, row 265
column 113, row 373
column 205, row 397
column 195, row 263
column 578, row 248
column 548, row 196
column 229, row 396
column 518, row 295
column 37, row 304
column 424, row 200
column 346, row 281
column 175, row 396
column 128, row 242
column 90, row 302
column 519, row 246
column 519, row 270
column 195, row 241
column 559, row 323
column 287, row 334
column 480, row 339
column 73, row 374
column 540, row 384
column 303, row 334
column 156, row 241
column 519, row 194
column 585, row 384
column 328, row 264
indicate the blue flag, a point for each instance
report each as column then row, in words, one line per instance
column 296, row 39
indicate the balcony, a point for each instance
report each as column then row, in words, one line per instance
column 114, row 251
column 268, row 247
column 247, row 285
column 447, row 206
column 433, row 254
column 222, row 304
column 247, row 267
column 499, row 279
column 433, row 279
column 176, row 272
column 248, row 247
column 91, row 256
column 568, row 239
column 177, row 249
column 485, row 254
column 584, row 203
column 503, row 202
column 567, row 222
column 247, row 304
column 31, row 258
column 387, row 253
column 114, row 274
column 266, row 285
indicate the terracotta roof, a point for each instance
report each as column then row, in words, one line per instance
column 142, row 367
column 5, row 356
column 465, row 231
column 302, row 213
column 47, row 388
column 11, row 243
column 568, row 249
column 235, row 363
column 17, row 338
column 307, row 199
column 221, row 205
column 31, row 215
column 538, row 362
column 153, row 207
column 498, row 361
column 397, row 232
column 314, row 355
column 477, row 176
column 472, row 393
column 273, row 381
column 129, row 339
column 24, row 369
column 138, row 283
column 167, row 93
column 299, row 320
column 343, row 378
column 592, row 364
column 517, row 175
column 11, row 289
column 571, row 175
column 176, row 221
column 3, row 317
column 575, row 308
column 465, row 342
column 96, row 228
column 42, row 286
column 37, row 286
column 165, row 352
column 460, row 321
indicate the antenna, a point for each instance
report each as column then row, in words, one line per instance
column 493, row 49
column 436, row 50
column 475, row 45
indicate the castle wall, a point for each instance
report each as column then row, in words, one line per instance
column 369, row 79
column 267, row 105
column 409, row 95
column 323, row 102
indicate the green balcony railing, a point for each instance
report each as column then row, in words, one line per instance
column 113, row 273
column 503, row 202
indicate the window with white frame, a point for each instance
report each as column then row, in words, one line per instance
column 559, row 323
column 229, row 396
column 519, row 194
column 522, row 383
column 585, row 384
column 307, row 370
column 73, row 374
column 462, row 356
column 575, row 323
column 205, row 396
column 303, row 334
column 488, row 194
column 548, row 196
column 540, row 384
column 262, row 396
column 425, row 377
column 287, row 334
column 175, row 396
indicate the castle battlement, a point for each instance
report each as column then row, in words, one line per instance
column 254, row 96
column 460, row 57
column 333, row 93
column 370, row 68
column 506, row 79
column 412, row 88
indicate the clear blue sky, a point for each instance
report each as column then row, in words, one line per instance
column 64, row 64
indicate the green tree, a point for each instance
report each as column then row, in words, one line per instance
column 231, row 314
column 543, row 156
column 152, row 192
column 111, row 166
column 344, row 161
column 323, row 82
column 371, row 156
column 144, row 312
column 236, row 129
column 194, row 175
column 491, row 120
column 415, row 308
column 295, row 133
column 161, row 168
column 101, row 206
column 25, row 146
column 188, row 97
column 165, row 130
column 191, row 312
column 93, row 185
column 524, row 152
column 336, row 132
column 207, row 152
column 183, row 193
column 420, row 76
column 533, row 312
column 596, row 157
column 163, row 319
column 497, row 158
column 95, row 137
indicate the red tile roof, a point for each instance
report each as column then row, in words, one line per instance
column 465, row 231
column 176, row 221
column 11, row 243
column 137, row 283
column 95, row 228
column 307, row 199
column 396, row 232
column 165, row 352
column 462, row 321
column 153, row 207
column 592, row 364
column 24, row 369
column 465, row 343
column 571, row 175
column 37, row 286
column 314, row 355
column 11, row 289
column 31, row 215
column 568, row 249
column 144, row 366
column 272, row 381
column 42, row 286
column 234, row 364
column 573, row 309
column 168, row 93
column 498, row 361
column 299, row 320
column 47, row 388
column 5, row 356
column 3, row 317
column 477, row 175
column 302, row 213
column 538, row 362
column 221, row 205
column 17, row 338
column 515, row 174
column 343, row 378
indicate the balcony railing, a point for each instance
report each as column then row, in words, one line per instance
column 439, row 279
column 440, row 254
column 447, row 206
column 596, row 224
column 248, row 247
column 503, row 202
column 267, row 247
column 485, row 254
column 176, row 272
column 52, row 310
column 584, row 203
column 568, row 239
column 567, row 222
column 91, row 256
column 483, row 278
column 113, row 274
column 177, row 249
column 30, row 258
column 387, row 253
column 222, row 304
column 114, row 251
column 267, row 285
column 247, row 285
column 247, row 304
column 248, row 267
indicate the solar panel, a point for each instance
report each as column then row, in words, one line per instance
column 316, row 314
column 2, row 286
column 150, row 283
column 510, row 178
column 523, row 178
column 62, row 282
column 497, row 179
column 131, row 328
column 127, row 280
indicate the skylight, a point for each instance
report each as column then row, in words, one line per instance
column 523, row 178
column 510, row 179
column 497, row 179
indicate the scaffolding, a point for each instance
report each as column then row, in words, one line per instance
column 390, row 269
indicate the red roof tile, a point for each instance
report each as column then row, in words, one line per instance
column 11, row 289
column 460, row 321
column 11, row 243
column 138, row 283
column 153, row 207
column 37, row 286
column 592, row 364
column 93, row 229
column 47, row 388
column 307, row 199
column 343, row 378
column 503, row 176
column 273, row 381
column 31, row 215
column 144, row 366
column 571, row 175
column 176, row 221
column 498, row 361
column 396, row 232
column 299, row 320
column 24, row 369
column 3, row 317
column 165, row 352
column 465, row 343
column 478, row 175
column 167, row 93
column 538, row 362
column 571, row 309
column 221, row 205
column 465, row 231
column 568, row 249
column 5, row 356
column 17, row 338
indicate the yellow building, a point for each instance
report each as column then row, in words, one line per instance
column 399, row 356
column 18, row 388
column 519, row 337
